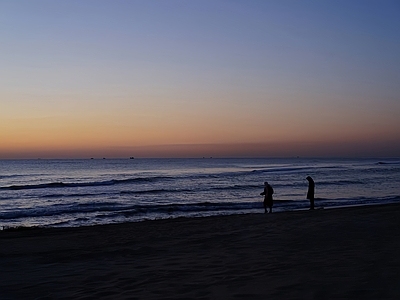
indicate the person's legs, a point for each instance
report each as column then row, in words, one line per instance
column 312, row 203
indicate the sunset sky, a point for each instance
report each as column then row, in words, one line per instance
column 194, row 78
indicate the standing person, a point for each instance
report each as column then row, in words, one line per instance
column 268, row 201
column 311, row 191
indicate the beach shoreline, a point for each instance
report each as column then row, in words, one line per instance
column 343, row 253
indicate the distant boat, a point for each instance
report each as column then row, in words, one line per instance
column 131, row 157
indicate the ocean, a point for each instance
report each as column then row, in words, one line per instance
column 73, row 193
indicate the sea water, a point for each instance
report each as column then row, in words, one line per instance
column 70, row 193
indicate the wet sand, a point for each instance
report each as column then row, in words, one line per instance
column 347, row 253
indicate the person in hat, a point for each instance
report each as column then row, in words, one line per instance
column 268, row 200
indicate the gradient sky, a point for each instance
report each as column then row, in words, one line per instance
column 168, row 78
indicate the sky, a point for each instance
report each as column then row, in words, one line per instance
column 199, row 78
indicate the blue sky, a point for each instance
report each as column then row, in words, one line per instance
column 272, row 77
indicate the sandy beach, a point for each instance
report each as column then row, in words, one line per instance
column 346, row 253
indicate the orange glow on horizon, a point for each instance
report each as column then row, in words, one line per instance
column 137, row 79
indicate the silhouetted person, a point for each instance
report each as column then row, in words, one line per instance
column 311, row 191
column 268, row 201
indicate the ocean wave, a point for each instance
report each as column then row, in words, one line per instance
column 84, row 184
column 340, row 182
column 74, row 195
column 115, row 210
column 237, row 187
column 252, row 171
column 61, row 209
column 155, row 191
column 281, row 169
column 11, row 176
column 300, row 169
column 388, row 163
column 119, row 208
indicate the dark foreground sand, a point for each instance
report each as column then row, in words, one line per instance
column 351, row 253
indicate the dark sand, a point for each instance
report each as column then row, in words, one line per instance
column 349, row 253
